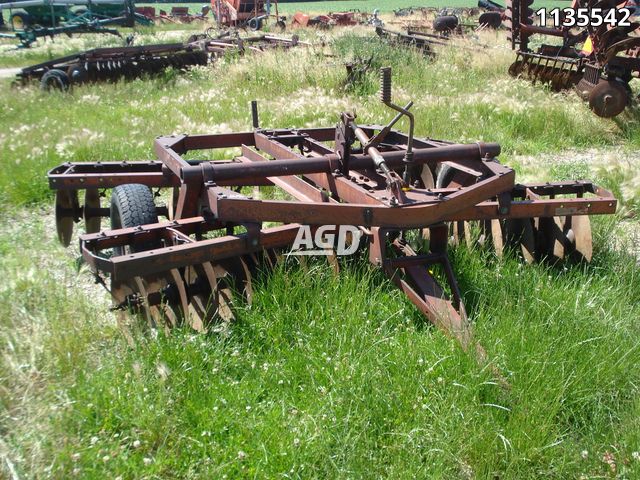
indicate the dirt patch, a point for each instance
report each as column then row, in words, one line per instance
column 9, row 72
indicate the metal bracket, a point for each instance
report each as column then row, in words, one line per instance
column 344, row 140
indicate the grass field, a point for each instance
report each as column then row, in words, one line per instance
column 323, row 376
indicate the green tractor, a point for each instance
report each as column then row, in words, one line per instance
column 23, row 15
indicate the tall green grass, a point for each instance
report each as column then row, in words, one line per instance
column 326, row 376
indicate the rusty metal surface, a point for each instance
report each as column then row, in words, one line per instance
column 220, row 224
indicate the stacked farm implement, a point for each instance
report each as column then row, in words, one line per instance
column 600, row 61
column 257, row 43
column 221, row 226
column 245, row 13
column 176, row 15
column 336, row 19
column 415, row 39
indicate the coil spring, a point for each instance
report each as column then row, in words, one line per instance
column 385, row 85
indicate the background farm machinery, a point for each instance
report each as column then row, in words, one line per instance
column 245, row 13
column 437, row 25
column 182, row 261
column 421, row 41
column 337, row 19
column 175, row 15
column 599, row 62
column 446, row 20
column 33, row 19
column 108, row 64
column 42, row 13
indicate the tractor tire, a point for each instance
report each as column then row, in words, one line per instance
column 54, row 79
column 20, row 20
column 445, row 23
column 132, row 205
column 492, row 20
column 77, row 74
column 444, row 175
column 255, row 24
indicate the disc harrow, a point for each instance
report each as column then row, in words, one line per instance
column 111, row 64
column 600, row 62
column 188, row 260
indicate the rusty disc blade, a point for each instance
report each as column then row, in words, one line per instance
column 241, row 278
column 91, row 202
column 608, row 99
column 271, row 258
column 172, row 203
column 163, row 310
column 498, row 237
column 224, row 294
column 551, row 239
column 144, row 300
column 120, row 291
column 521, row 237
column 515, row 68
column 147, row 298
column 178, row 283
column 426, row 175
column 224, row 300
column 578, row 231
column 332, row 258
column 66, row 208
column 202, row 288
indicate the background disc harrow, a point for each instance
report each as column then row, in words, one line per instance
column 560, row 73
column 110, row 64
column 134, row 67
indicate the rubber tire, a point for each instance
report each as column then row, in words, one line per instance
column 77, row 74
column 132, row 205
column 56, row 79
column 444, row 175
column 492, row 20
column 445, row 23
column 255, row 24
column 24, row 17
